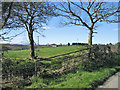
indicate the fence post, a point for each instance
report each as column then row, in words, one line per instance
column 104, row 49
column 89, row 53
column 36, row 68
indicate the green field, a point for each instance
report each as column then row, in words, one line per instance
column 43, row 52
column 85, row 73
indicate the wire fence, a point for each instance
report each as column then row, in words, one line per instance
column 55, row 65
column 27, row 68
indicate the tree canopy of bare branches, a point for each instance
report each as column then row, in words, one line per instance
column 87, row 14
column 5, row 13
column 31, row 16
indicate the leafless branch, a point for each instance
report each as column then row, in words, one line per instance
column 9, row 12
column 39, row 33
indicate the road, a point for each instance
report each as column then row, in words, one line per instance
column 112, row 82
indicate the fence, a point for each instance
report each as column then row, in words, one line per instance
column 27, row 68
column 42, row 59
column 57, row 64
column 92, row 52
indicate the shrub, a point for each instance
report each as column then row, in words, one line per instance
column 99, row 58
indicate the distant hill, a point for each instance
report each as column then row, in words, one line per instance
column 13, row 47
column 5, row 47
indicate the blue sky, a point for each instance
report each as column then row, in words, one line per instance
column 56, row 33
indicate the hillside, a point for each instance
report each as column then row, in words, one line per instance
column 13, row 47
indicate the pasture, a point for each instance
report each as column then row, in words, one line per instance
column 71, row 71
column 44, row 52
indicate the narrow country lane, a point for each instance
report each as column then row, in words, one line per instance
column 112, row 82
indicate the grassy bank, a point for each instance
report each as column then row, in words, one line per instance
column 85, row 72
column 79, row 79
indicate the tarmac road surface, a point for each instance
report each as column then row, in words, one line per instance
column 112, row 82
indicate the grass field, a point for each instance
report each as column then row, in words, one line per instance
column 43, row 52
column 77, row 78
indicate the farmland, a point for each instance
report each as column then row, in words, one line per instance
column 43, row 52
column 72, row 71
column 53, row 45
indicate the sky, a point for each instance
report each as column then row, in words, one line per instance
column 56, row 33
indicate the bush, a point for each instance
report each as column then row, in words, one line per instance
column 99, row 58
column 15, row 68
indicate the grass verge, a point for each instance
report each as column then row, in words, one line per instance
column 78, row 79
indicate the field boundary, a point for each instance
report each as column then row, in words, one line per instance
column 41, row 59
column 61, row 62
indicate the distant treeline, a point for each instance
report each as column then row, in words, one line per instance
column 79, row 43
column 6, row 47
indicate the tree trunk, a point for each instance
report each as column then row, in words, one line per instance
column 32, row 53
column 90, row 37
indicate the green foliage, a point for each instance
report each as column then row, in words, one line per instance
column 79, row 79
column 14, row 67
column 37, row 83
column 86, row 74
column 94, row 64
column 99, row 58
column 21, row 83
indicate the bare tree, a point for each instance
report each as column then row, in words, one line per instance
column 31, row 16
column 5, row 12
column 87, row 14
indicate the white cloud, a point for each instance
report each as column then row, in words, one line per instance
column 46, row 27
